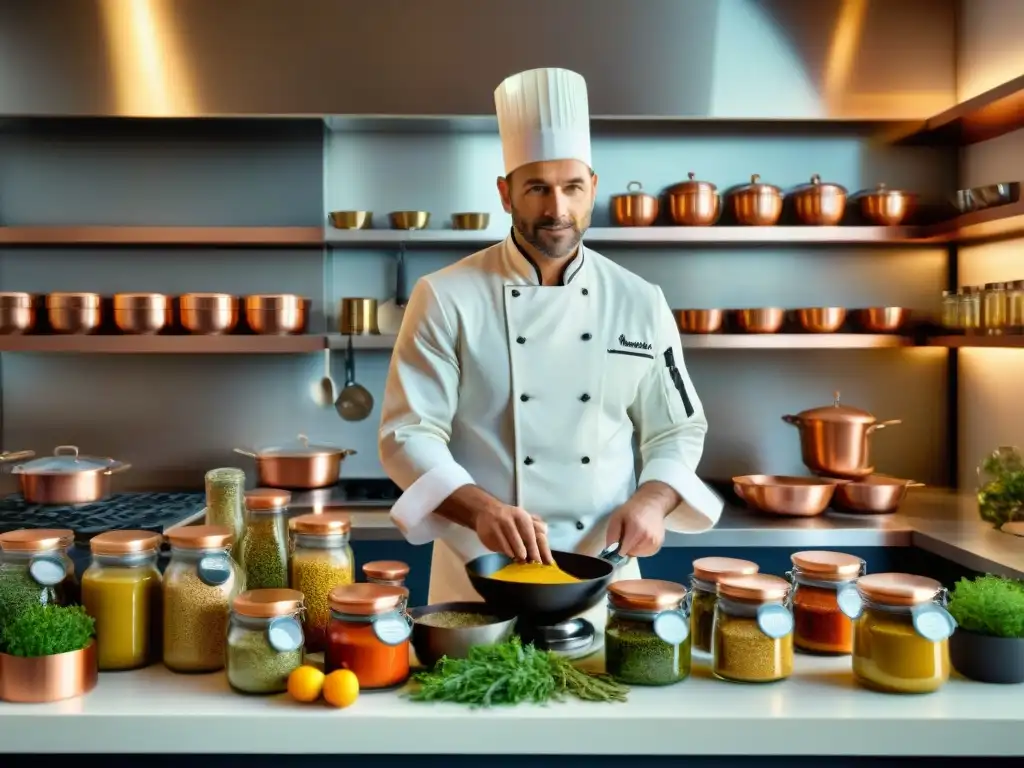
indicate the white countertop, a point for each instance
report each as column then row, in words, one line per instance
column 819, row 711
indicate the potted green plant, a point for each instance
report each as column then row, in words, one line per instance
column 1001, row 487
column 988, row 644
column 48, row 653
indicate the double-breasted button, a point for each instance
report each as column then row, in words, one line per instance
column 579, row 525
column 515, row 294
column 586, row 337
column 585, row 459
column 527, row 461
column 524, row 398
column 585, row 292
column 584, row 397
column 520, row 339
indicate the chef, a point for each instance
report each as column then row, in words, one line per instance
column 523, row 375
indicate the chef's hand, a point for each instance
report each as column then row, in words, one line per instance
column 639, row 528
column 514, row 532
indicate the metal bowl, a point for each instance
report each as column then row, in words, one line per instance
column 351, row 219
column 74, row 312
column 699, row 320
column 882, row 319
column 470, row 220
column 821, row 319
column 209, row 314
column 431, row 643
column 142, row 313
column 872, row 495
column 17, row 312
column 786, row 495
column 409, row 219
column 761, row 320
column 276, row 315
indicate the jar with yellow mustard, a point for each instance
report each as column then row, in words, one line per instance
column 321, row 560
column 121, row 590
column 900, row 632
column 752, row 641
column 707, row 571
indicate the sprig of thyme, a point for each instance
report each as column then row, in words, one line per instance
column 46, row 630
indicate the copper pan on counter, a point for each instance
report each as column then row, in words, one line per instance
column 787, row 495
column 872, row 495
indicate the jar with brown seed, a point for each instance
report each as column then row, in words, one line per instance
column 753, row 631
column 321, row 560
column 200, row 582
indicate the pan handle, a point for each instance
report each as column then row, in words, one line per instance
column 117, row 469
column 883, row 425
column 244, row 452
column 794, row 420
column 611, row 555
column 16, row 456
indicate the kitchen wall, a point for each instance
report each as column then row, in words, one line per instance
column 991, row 409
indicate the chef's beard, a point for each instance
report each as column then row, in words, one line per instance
column 533, row 233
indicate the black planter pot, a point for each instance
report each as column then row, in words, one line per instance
column 987, row 659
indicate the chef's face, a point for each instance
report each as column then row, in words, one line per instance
column 551, row 204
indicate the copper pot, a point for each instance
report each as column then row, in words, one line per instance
column 785, row 495
column 209, row 314
column 760, row 320
column 67, row 478
column 694, row 203
column 39, row 679
column 298, row 466
column 73, row 312
column 635, row 208
column 17, row 312
column 819, row 204
column 885, row 207
column 351, row 219
column 872, row 495
column 142, row 313
column 756, row 204
column 881, row 319
column 358, row 317
column 821, row 319
column 699, row 320
column 409, row 219
column 476, row 221
column 276, row 314
column 834, row 439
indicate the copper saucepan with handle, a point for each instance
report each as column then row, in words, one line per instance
column 66, row 477
column 872, row 495
column 300, row 465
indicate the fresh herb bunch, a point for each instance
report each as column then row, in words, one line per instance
column 512, row 673
column 989, row 605
column 46, row 630
column 1001, row 495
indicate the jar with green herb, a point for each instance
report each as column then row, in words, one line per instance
column 265, row 541
column 753, row 633
column 200, row 582
column 321, row 560
column 35, row 569
column 704, row 594
column 647, row 638
column 225, row 502
column 1001, row 487
column 264, row 644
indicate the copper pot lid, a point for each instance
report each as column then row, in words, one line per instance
column 301, row 448
column 268, row 603
column 837, row 412
column 633, row 189
column 827, row 565
column 881, row 190
column 366, row 599
column 36, row 539
column 266, row 499
column 758, row 187
column 646, row 594
column 711, row 569
column 817, row 185
column 200, row 537
column 691, row 186
column 66, row 461
column 755, row 587
column 124, row 542
column 322, row 523
column 898, row 588
column 386, row 570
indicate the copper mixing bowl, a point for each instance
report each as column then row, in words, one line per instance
column 409, row 219
column 886, row 207
column 821, row 319
column 209, row 314
column 351, row 219
column 17, row 312
column 784, row 494
column 276, row 314
column 142, row 313
column 872, row 495
column 760, row 320
column 74, row 312
column 882, row 319
column 476, row 221
column 699, row 320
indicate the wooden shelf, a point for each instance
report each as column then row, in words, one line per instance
column 163, row 236
column 988, row 115
column 168, row 345
column 977, row 340
column 1000, row 223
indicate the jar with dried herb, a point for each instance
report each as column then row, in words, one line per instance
column 200, row 582
column 817, row 577
column 901, row 632
column 35, row 569
column 704, row 596
column 753, row 634
column 369, row 634
column 264, row 644
column 121, row 590
column 321, row 560
column 225, row 501
column 265, row 541
column 647, row 638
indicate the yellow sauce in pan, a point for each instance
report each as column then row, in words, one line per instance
column 533, row 573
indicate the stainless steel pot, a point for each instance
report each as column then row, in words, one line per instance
column 66, row 477
column 834, row 439
column 819, row 203
column 299, row 466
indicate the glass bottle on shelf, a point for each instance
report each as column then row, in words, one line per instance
column 1015, row 307
column 970, row 308
column 951, row 310
column 993, row 308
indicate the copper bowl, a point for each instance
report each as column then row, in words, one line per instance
column 351, row 219
column 409, row 219
column 276, row 314
column 475, row 221
column 821, row 319
column 142, row 313
column 694, row 203
column 73, row 312
column 882, row 319
column 761, row 320
column 699, row 320
column 785, row 495
column 886, row 207
column 756, row 204
column 209, row 314
column 35, row 680
column 873, row 495
column 17, row 312
column 358, row 316
column 818, row 204
column 635, row 208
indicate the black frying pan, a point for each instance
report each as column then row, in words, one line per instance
column 546, row 604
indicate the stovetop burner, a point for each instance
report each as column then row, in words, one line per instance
column 574, row 639
column 379, row 489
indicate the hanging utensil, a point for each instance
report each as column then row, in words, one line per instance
column 391, row 312
column 355, row 401
column 323, row 389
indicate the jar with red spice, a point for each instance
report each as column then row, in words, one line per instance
column 368, row 634
column 818, row 577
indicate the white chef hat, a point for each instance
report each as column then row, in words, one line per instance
column 543, row 114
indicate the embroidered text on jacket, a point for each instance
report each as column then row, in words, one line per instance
column 633, row 344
